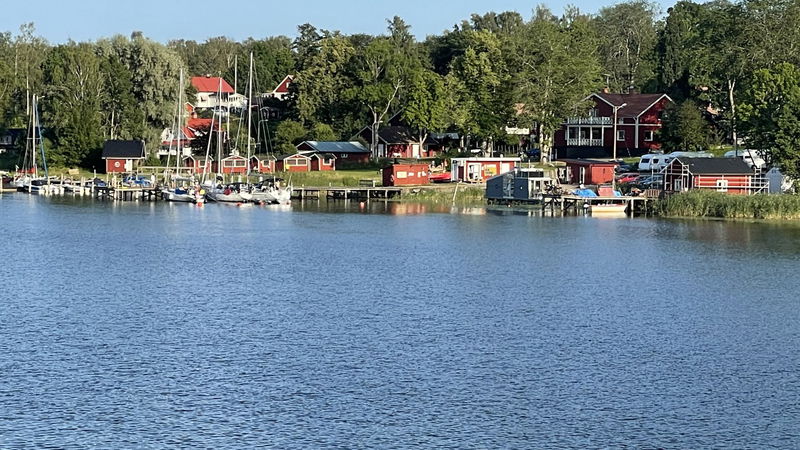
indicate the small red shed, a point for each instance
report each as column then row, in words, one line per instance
column 199, row 164
column 589, row 171
column 262, row 163
column 322, row 162
column 233, row 164
column 123, row 156
column 293, row 163
column 400, row 174
column 731, row 175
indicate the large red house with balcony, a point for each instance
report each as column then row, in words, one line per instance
column 638, row 121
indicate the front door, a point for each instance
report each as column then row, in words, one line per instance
column 474, row 172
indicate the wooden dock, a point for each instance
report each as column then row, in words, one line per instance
column 127, row 193
column 345, row 193
column 571, row 202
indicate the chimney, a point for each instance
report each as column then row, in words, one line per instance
column 633, row 90
column 606, row 90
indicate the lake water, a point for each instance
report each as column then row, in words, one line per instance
column 152, row 325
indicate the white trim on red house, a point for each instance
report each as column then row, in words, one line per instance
column 654, row 104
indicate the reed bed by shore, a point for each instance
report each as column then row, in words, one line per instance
column 727, row 206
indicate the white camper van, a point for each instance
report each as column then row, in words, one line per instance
column 656, row 162
column 650, row 162
column 751, row 157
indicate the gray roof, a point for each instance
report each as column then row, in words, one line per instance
column 716, row 165
column 123, row 149
column 335, row 147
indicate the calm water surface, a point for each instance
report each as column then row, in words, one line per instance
column 136, row 325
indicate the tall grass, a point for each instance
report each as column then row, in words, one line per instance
column 717, row 204
column 466, row 195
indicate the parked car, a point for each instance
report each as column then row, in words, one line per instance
column 649, row 181
column 628, row 177
column 624, row 167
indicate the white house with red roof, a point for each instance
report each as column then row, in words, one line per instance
column 215, row 91
column 592, row 136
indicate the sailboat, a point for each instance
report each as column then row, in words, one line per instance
column 231, row 193
column 188, row 194
column 28, row 179
column 263, row 192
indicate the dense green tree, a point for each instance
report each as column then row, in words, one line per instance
column 321, row 132
column 379, row 76
column 123, row 119
column 628, row 34
column 306, row 45
column 321, row 84
column 483, row 85
column 72, row 103
column 558, row 67
column 154, row 71
column 426, row 107
column 685, row 129
column 771, row 109
column 288, row 134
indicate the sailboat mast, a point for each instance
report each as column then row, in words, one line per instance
column 39, row 130
column 31, row 109
column 179, row 128
column 219, row 134
column 206, row 169
column 249, row 110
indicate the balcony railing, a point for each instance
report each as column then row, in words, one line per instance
column 585, row 142
column 589, row 121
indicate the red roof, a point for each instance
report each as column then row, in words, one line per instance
column 202, row 124
column 635, row 104
column 211, row 84
column 283, row 87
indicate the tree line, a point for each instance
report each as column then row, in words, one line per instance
column 732, row 68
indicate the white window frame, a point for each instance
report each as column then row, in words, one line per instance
column 649, row 135
column 722, row 185
column 620, row 135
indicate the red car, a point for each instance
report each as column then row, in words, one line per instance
column 443, row 177
column 627, row 177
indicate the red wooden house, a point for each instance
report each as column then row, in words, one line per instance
column 638, row 121
column 398, row 141
column 322, row 162
column 405, row 174
column 282, row 89
column 262, row 163
column 199, row 164
column 478, row 170
column 731, row 175
column 588, row 171
column 123, row 156
column 349, row 152
column 233, row 164
column 293, row 163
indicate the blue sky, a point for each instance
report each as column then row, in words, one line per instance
column 84, row 20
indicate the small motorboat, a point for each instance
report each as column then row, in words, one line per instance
column 608, row 208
